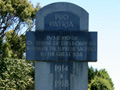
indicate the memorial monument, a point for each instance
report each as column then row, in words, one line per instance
column 61, row 47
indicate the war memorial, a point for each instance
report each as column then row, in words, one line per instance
column 61, row 47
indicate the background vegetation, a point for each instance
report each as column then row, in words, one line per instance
column 17, row 15
column 99, row 80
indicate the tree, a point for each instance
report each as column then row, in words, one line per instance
column 17, row 15
column 1, row 41
column 100, row 83
column 16, row 74
column 91, row 74
column 103, row 74
column 99, row 80
column 14, row 45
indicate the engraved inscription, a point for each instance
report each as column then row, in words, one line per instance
column 61, row 83
column 61, row 80
column 62, row 21
column 59, row 68
column 62, row 46
column 61, row 75
column 65, row 45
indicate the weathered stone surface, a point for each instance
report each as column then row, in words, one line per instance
column 73, row 16
column 61, row 75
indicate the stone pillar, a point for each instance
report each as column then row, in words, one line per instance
column 77, row 78
column 61, row 75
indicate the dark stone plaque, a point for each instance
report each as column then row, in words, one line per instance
column 61, row 46
column 62, row 21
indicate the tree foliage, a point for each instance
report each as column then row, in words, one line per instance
column 16, row 15
column 100, row 80
column 14, row 45
column 100, row 83
column 103, row 74
column 91, row 74
column 16, row 74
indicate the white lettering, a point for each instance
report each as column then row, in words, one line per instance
column 80, row 54
column 61, row 17
column 60, row 68
column 61, row 83
column 64, row 24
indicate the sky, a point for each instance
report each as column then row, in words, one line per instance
column 104, row 17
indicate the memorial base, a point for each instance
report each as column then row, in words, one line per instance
column 61, row 75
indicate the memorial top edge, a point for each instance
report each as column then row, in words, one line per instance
column 60, row 6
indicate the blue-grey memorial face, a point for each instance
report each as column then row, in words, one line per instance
column 62, row 21
column 60, row 42
column 49, row 46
